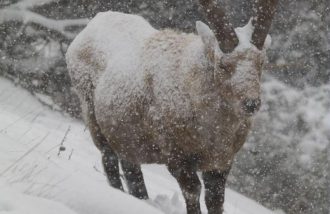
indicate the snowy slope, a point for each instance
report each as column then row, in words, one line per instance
column 15, row 202
column 71, row 181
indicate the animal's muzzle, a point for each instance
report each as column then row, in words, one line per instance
column 250, row 106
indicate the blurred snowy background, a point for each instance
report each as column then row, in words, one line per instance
column 285, row 163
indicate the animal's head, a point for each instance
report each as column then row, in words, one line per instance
column 236, row 57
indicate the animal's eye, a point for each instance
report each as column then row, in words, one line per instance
column 226, row 66
column 221, row 65
column 227, row 63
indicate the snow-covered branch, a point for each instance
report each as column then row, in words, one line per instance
column 25, row 4
column 29, row 17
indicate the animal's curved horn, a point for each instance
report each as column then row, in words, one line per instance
column 265, row 10
column 224, row 31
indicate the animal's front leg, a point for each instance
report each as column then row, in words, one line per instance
column 214, row 182
column 134, row 179
column 189, row 184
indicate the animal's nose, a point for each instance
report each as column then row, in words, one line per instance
column 250, row 106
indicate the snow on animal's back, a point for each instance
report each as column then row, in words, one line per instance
column 111, row 39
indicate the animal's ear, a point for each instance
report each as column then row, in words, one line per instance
column 210, row 42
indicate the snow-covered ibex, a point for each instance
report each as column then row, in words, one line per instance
column 160, row 96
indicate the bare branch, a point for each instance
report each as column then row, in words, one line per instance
column 271, row 67
column 224, row 31
column 265, row 11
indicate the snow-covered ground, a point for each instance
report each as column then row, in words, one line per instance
column 35, row 177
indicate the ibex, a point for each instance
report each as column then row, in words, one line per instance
column 160, row 96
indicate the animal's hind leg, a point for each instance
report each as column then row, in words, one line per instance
column 134, row 179
column 109, row 157
column 111, row 168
